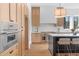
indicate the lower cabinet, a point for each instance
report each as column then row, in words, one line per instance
column 12, row 51
column 36, row 37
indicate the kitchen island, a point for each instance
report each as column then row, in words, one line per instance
column 63, row 43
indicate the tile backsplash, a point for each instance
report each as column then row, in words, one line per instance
column 49, row 28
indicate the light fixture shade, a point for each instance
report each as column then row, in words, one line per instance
column 59, row 11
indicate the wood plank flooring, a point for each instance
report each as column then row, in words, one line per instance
column 38, row 49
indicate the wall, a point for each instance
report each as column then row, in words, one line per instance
column 47, row 18
column 47, row 14
column 45, row 28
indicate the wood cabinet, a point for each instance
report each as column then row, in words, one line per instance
column 12, row 51
column 22, row 20
column 60, row 21
column 26, row 10
column 63, row 13
column 59, row 11
column 13, row 11
column 36, row 37
column 7, row 11
column 36, row 16
column 19, row 20
column 4, row 11
column 25, row 30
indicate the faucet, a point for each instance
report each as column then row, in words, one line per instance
column 73, row 31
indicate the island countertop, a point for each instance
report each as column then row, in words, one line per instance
column 63, row 35
column 58, row 43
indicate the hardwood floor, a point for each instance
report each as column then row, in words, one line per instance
column 38, row 49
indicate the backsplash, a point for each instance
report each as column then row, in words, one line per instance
column 49, row 28
column 44, row 28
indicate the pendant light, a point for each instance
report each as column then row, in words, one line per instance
column 59, row 11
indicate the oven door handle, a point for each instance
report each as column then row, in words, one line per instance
column 11, row 52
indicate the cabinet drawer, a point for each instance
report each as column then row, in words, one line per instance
column 13, row 52
column 9, row 51
column 36, row 37
column 36, row 34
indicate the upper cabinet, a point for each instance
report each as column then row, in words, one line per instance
column 60, row 21
column 36, row 16
column 19, row 13
column 59, row 11
column 13, row 12
column 26, row 10
column 4, row 12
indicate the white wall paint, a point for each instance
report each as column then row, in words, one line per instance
column 47, row 14
column 70, row 5
column 72, row 11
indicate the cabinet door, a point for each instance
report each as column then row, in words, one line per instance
column 19, row 23
column 4, row 12
column 57, row 12
column 12, row 51
column 13, row 11
column 36, row 16
column 63, row 12
column 60, row 21
column 26, row 10
column 23, row 32
column 36, row 37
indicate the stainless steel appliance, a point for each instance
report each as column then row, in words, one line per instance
column 8, row 34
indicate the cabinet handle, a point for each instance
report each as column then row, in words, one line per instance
column 11, row 52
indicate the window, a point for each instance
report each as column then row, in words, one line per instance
column 75, row 22
column 66, row 22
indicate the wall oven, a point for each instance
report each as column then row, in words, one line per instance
column 8, row 36
column 9, row 40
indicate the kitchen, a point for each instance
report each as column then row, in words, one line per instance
column 57, row 20
column 35, row 29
